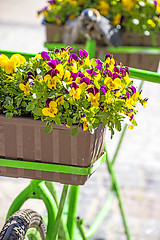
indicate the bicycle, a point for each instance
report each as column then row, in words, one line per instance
column 22, row 224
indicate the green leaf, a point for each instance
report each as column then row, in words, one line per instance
column 37, row 111
column 48, row 129
column 9, row 115
column 9, row 107
column 57, row 121
column 102, row 115
column 74, row 132
column 30, row 107
column 66, row 105
column 24, row 104
column 118, row 125
column 69, row 121
column 12, row 90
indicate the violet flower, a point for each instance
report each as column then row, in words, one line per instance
column 91, row 72
column 85, row 80
column 94, row 90
column 99, row 64
column 103, row 89
column 133, row 89
column 45, row 55
column 83, row 53
column 74, row 57
column 116, row 75
column 73, row 85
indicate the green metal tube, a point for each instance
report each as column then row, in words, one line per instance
column 144, row 75
column 19, row 201
column 81, row 229
column 134, row 50
column 52, row 188
column 63, row 231
column 72, row 209
column 59, row 213
column 119, row 143
column 90, row 47
column 10, row 53
column 116, row 188
column 51, row 207
column 100, row 217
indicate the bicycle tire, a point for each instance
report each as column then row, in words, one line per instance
column 20, row 222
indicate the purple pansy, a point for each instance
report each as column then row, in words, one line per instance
column 91, row 72
column 85, row 80
column 99, row 64
column 45, row 55
column 108, row 56
column 131, row 118
column 80, row 74
column 74, row 85
column 110, row 74
column 69, row 48
column 116, row 69
column 51, row 1
column 83, row 53
column 103, row 89
column 53, row 63
column 94, row 90
column 73, row 75
column 116, row 75
column 48, row 101
column 123, row 72
column 74, row 57
column 133, row 89
column 128, row 95
column 66, row 91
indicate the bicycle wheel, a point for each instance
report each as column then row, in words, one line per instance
column 24, row 224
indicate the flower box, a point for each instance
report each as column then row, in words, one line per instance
column 24, row 139
column 144, row 58
column 54, row 32
column 147, row 61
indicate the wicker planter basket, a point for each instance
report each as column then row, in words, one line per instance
column 24, row 140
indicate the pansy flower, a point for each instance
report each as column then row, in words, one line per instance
column 51, row 110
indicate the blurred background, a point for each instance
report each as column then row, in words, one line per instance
column 137, row 165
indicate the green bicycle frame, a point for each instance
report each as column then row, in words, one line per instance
column 62, row 214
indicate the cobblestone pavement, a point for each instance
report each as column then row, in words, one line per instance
column 138, row 163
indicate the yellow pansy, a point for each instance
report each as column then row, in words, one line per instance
column 129, row 4
column 52, row 81
column 67, row 76
column 50, row 111
column 85, row 126
column 116, row 19
column 3, row 60
column 18, row 60
column 108, row 99
column 60, row 100
column 10, row 67
column 94, row 99
column 76, row 93
column 130, row 127
column 59, row 67
column 25, row 88
column 103, row 8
